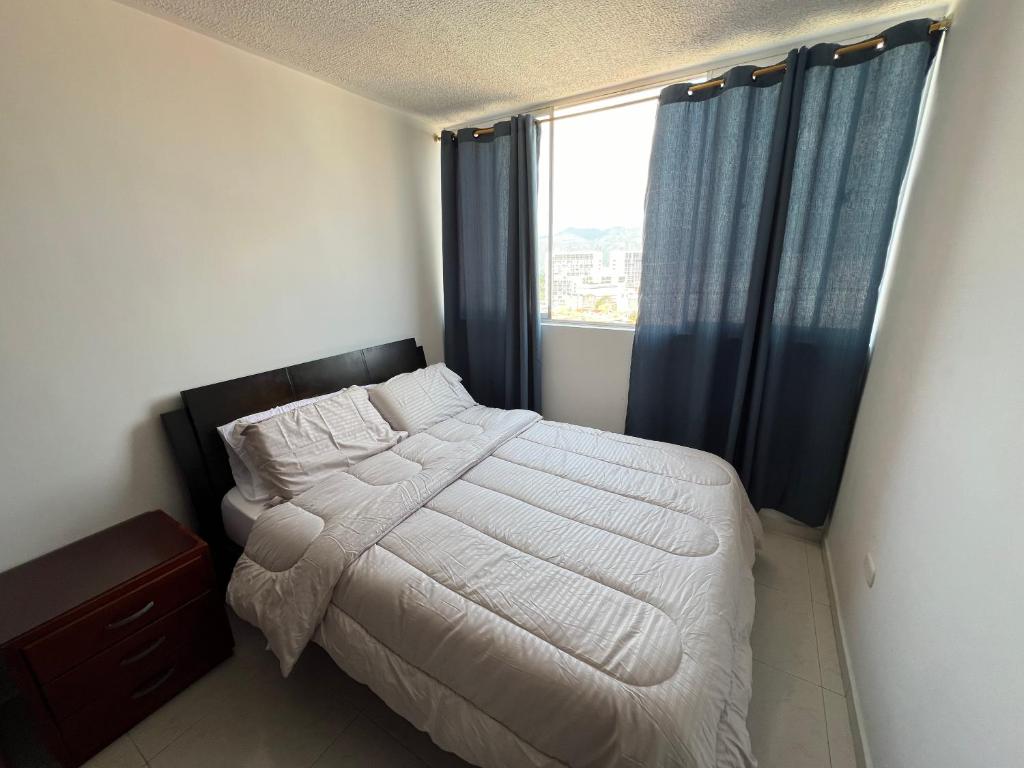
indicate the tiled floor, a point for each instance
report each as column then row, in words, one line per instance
column 798, row 716
column 245, row 714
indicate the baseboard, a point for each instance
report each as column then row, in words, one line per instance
column 860, row 745
column 778, row 522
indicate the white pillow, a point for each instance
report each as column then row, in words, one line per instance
column 415, row 401
column 243, row 466
column 297, row 450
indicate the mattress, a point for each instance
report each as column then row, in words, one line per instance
column 239, row 514
column 528, row 593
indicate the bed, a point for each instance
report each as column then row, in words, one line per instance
column 528, row 593
column 238, row 515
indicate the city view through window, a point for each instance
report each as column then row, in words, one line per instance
column 593, row 179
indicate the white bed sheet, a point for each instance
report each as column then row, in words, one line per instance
column 239, row 514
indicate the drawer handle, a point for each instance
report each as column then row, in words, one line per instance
column 154, row 685
column 129, row 619
column 145, row 652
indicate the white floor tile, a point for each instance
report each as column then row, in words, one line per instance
column 783, row 635
column 787, row 721
column 272, row 729
column 816, row 570
column 404, row 732
column 431, row 754
column 840, row 738
column 211, row 695
column 363, row 743
column 253, row 716
column 828, row 651
column 121, row 754
column 782, row 564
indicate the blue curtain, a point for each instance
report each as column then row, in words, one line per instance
column 714, row 177
column 489, row 216
column 769, row 213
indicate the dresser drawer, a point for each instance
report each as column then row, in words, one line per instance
column 73, row 643
column 127, row 664
column 100, row 722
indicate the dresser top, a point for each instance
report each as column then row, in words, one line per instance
column 35, row 592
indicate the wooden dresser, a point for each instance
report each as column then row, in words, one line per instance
column 100, row 633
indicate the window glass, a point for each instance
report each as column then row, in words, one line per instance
column 593, row 179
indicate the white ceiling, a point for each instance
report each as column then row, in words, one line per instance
column 449, row 61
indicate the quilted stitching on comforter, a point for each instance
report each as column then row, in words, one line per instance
column 591, row 593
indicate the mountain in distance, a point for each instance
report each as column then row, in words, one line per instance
column 584, row 233
column 600, row 240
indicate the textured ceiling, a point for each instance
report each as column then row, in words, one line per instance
column 449, row 61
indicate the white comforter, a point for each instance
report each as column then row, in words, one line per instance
column 529, row 593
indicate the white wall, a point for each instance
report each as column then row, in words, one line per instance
column 174, row 212
column 585, row 375
column 933, row 482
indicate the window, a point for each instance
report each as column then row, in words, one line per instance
column 593, row 180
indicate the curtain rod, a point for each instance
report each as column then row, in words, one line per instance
column 873, row 42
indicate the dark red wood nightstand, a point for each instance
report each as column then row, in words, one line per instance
column 100, row 633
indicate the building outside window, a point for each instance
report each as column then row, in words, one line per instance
column 593, row 180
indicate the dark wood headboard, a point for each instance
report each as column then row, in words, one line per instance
column 192, row 430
